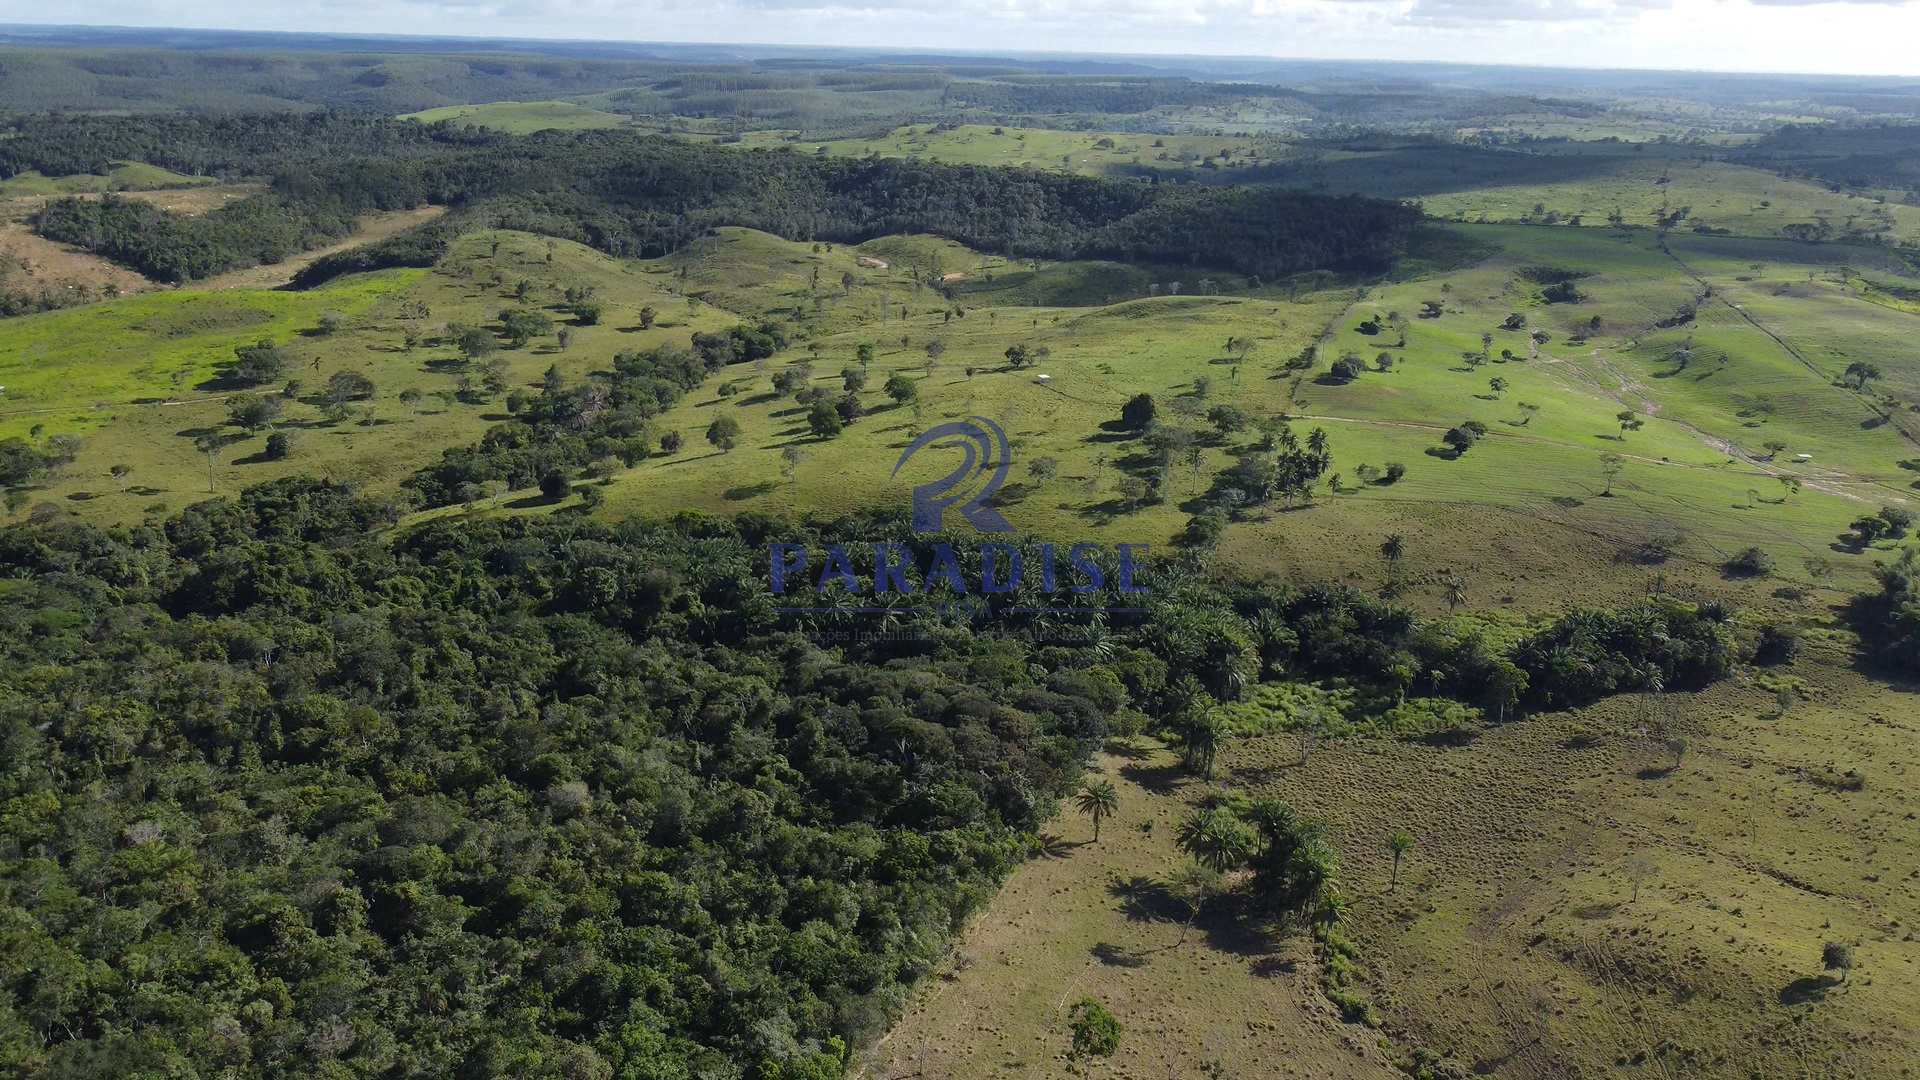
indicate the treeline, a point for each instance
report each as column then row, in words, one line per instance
column 635, row 195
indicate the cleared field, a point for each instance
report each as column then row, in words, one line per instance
column 1085, row 152
column 1715, row 194
column 522, row 117
column 124, row 176
column 1095, row 920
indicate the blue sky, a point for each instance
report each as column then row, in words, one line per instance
column 1853, row 37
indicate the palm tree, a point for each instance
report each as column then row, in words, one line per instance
column 1215, row 840
column 1201, row 739
column 1456, row 592
column 1399, row 844
column 1097, row 800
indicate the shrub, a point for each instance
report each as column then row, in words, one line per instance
column 1750, row 563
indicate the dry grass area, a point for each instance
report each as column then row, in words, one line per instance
column 1579, row 900
column 1091, row 920
column 1579, row 903
column 36, row 262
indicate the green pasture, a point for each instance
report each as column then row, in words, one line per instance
column 123, row 176
column 522, row 117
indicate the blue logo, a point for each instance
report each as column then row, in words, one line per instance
column 984, row 451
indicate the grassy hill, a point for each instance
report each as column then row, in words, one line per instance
column 522, row 117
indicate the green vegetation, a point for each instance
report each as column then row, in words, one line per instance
column 1522, row 676
column 521, row 117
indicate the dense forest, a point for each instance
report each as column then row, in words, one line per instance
column 638, row 195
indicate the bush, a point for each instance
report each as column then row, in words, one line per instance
column 1750, row 563
column 1778, row 643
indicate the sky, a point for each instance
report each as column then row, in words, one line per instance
column 1854, row 37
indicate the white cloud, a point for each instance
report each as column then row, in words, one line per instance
column 1837, row 36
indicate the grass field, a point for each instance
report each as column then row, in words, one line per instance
column 124, row 176
column 135, row 376
column 1083, row 152
column 522, row 117
column 1575, row 903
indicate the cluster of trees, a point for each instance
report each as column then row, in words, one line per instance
column 637, row 195
column 174, row 248
column 1889, row 621
column 564, row 428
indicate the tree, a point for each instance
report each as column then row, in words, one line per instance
column 1837, row 956
column 1628, row 422
column 723, row 433
column 1456, row 592
column 1859, row 373
column 1098, row 800
column 410, row 397
column 935, row 350
column 1507, row 682
column 790, row 459
column 670, row 442
column 1677, row 747
column 474, row 342
column 1215, row 839
column 1393, row 549
column 647, row 315
column 252, row 411
column 824, row 420
column 555, row 485
column 1018, row 355
column 1639, row 869
column 863, row 353
column 1398, row 845
column 1095, row 1031
column 901, row 389
column 260, row 362
column 344, row 386
column 120, row 474
column 563, row 337
column 1610, row 466
column 853, row 379
column 522, row 326
column 279, row 446
column 1138, row 413
column 586, row 314
column 1459, row 439
column 1498, row 385
column 209, row 445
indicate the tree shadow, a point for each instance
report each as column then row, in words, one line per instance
column 1807, row 989
column 1055, row 847
column 1147, row 900
column 1117, row 956
column 743, row 492
column 1158, row 779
